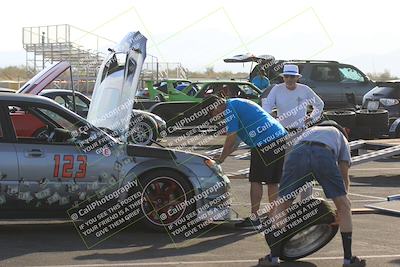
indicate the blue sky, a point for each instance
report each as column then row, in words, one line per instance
column 200, row 34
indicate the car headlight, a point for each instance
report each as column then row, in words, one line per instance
column 214, row 166
column 389, row 101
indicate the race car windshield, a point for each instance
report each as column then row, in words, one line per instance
column 58, row 119
column 63, row 122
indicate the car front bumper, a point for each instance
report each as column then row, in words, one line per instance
column 394, row 110
column 216, row 205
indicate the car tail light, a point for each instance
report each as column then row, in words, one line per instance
column 348, row 130
column 387, row 102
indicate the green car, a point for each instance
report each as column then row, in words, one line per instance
column 159, row 91
column 181, row 105
column 197, row 91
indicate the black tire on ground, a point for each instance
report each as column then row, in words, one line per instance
column 344, row 118
column 297, row 247
column 162, row 191
column 372, row 119
column 311, row 228
column 143, row 133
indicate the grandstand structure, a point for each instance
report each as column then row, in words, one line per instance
column 85, row 52
column 47, row 44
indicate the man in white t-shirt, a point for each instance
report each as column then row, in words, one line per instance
column 291, row 99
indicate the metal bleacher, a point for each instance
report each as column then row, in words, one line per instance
column 47, row 44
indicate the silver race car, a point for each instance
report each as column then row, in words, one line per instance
column 76, row 161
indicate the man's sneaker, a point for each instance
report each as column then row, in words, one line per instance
column 356, row 262
column 249, row 224
column 267, row 261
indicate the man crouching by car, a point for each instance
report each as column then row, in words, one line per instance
column 322, row 152
column 259, row 130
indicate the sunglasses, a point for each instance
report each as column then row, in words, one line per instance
column 289, row 76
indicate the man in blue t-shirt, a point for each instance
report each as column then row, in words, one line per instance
column 258, row 77
column 259, row 130
column 261, row 82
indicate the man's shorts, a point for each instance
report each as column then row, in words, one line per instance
column 266, row 163
column 307, row 162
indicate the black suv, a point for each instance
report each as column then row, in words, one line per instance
column 339, row 85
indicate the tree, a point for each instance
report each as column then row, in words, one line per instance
column 382, row 76
column 210, row 72
column 15, row 73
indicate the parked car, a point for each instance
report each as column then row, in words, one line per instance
column 378, row 116
column 333, row 81
column 162, row 88
column 386, row 95
column 196, row 91
column 180, row 105
column 148, row 127
column 29, row 160
column 76, row 161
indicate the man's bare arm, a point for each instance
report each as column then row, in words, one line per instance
column 344, row 171
column 229, row 147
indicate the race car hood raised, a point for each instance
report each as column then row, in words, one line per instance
column 116, row 85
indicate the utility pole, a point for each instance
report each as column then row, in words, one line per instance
column 43, row 39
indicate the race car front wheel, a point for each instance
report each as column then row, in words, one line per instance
column 165, row 194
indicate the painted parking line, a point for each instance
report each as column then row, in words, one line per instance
column 355, row 201
column 359, row 195
column 163, row 263
column 375, row 169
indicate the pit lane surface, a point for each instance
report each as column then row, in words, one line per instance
column 56, row 243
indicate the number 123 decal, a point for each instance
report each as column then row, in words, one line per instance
column 67, row 169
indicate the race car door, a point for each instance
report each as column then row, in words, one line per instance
column 54, row 170
column 8, row 162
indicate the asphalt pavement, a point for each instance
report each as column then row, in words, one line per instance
column 57, row 243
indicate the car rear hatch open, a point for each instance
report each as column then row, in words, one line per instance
column 249, row 58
